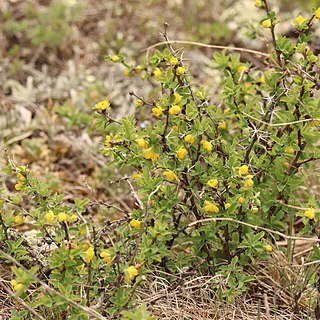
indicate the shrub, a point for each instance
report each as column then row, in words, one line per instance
column 216, row 182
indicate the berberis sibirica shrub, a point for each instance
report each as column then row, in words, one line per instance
column 215, row 184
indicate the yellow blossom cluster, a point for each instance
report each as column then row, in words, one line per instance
column 62, row 217
column 310, row 214
column 299, row 21
column 89, row 254
column 18, row 219
column 189, row 139
column 106, row 257
column 157, row 111
column 136, row 224
column 142, row 143
column 21, row 180
column 207, row 145
column 49, row 216
column 16, row 285
column 181, row 153
column 139, row 103
column 131, row 272
column 149, row 154
column 102, row 105
column 212, row 183
column 222, row 125
column 175, row 109
column 243, row 170
column 268, row 248
column 266, row 23
column 157, row 73
column 115, row 58
column 174, row 61
column 241, row 200
column 170, row 175
column 180, row 71
column 210, row 207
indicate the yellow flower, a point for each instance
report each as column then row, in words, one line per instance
column 207, row 145
column 233, row 186
column 299, row 21
column 157, row 73
column 258, row 3
column 266, row 23
column 142, row 144
column 241, row 200
column 254, row 210
column 180, row 71
column 18, row 219
column 225, row 111
column 157, row 111
column 222, row 125
column 210, row 207
column 115, row 58
column 173, row 61
column 243, row 170
column 150, row 154
column 249, row 183
column 189, row 139
column 177, row 98
column 317, row 13
column 20, row 177
column 89, row 254
column 102, row 105
column 49, row 216
column 16, row 286
column 136, row 224
column 181, row 153
column 139, row 68
column 62, row 216
column 137, row 175
column 212, row 183
column 126, row 72
column 227, row 205
column 289, row 149
column 131, row 272
column 107, row 141
column 170, row 175
column 242, row 69
column 262, row 79
column 175, row 128
column 175, row 109
column 18, row 186
column 155, row 157
column 106, row 257
column 139, row 103
column 268, row 248
column 310, row 214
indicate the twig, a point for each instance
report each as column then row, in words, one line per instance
column 278, row 124
column 199, row 44
column 253, row 227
